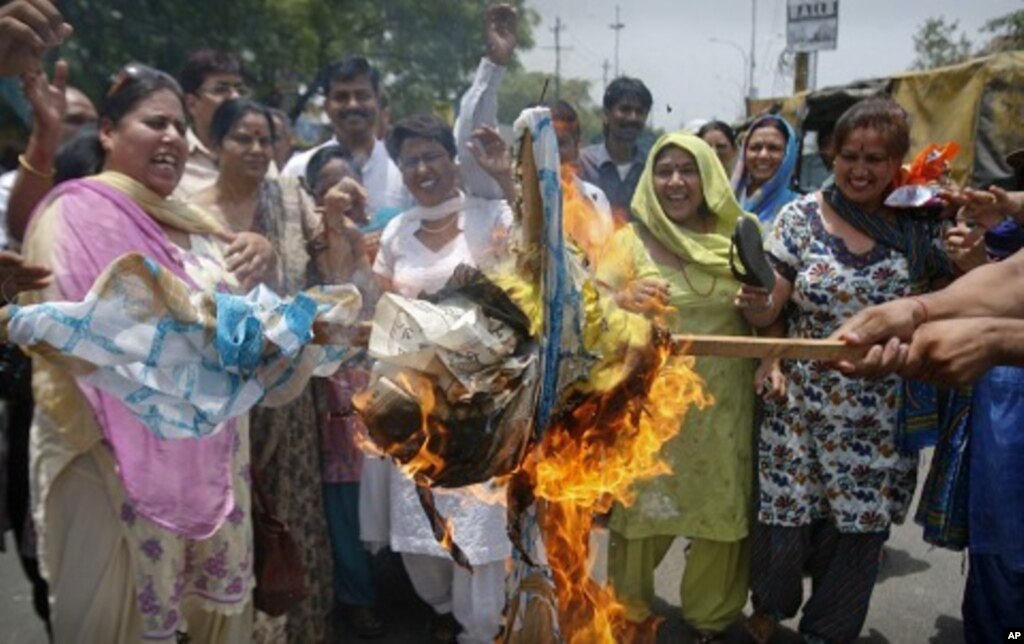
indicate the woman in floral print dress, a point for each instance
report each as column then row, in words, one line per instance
column 831, row 477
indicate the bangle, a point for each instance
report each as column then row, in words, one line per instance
column 32, row 170
column 924, row 308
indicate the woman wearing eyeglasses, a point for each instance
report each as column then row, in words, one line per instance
column 139, row 538
column 419, row 251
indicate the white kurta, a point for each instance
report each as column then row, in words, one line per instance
column 479, row 527
column 380, row 176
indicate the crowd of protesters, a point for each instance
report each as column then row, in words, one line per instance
column 799, row 469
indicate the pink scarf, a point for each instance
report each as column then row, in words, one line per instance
column 182, row 485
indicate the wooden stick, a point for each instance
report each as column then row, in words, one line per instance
column 749, row 347
column 722, row 346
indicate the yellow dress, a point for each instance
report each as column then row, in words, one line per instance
column 708, row 494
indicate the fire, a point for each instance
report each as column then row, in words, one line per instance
column 430, row 437
column 581, row 222
column 418, row 454
column 426, row 445
column 590, row 459
column 590, row 456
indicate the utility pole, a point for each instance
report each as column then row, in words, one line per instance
column 802, row 72
column 604, row 68
column 617, row 26
column 557, row 30
column 805, row 76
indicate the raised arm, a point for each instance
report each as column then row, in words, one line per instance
column 28, row 28
column 49, row 104
column 479, row 105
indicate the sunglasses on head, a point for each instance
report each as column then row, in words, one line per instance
column 133, row 72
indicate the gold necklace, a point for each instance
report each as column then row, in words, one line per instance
column 704, row 221
column 686, row 278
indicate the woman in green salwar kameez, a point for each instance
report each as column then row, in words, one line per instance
column 677, row 254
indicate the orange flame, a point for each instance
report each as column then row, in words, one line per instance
column 449, row 535
column 431, row 435
column 590, row 459
column 588, row 229
column 425, row 444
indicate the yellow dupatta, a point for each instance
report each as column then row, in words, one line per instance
column 168, row 211
column 710, row 251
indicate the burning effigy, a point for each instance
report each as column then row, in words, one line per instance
column 527, row 374
column 531, row 375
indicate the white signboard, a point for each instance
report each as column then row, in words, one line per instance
column 812, row 25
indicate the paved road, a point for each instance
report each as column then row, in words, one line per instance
column 917, row 599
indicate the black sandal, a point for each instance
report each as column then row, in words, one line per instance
column 748, row 247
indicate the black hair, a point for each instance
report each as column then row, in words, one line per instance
column 882, row 114
column 130, row 86
column 204, row 62
column 277, row 112
column 564, row 112
column 420, row 126
column 625, row 87
column 718, row 126
column 322, row 157
column 351, row 68
column 231, row 111
column 80, row 156
column 133, row 84
column 774, row 123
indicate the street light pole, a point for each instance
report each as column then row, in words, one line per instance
column 745, row 59
column 753, row 44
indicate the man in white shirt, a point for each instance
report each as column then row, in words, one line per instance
column 208, row 78
column 479, row 108
column 353, row 104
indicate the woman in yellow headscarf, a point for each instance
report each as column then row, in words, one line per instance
column 677, row 254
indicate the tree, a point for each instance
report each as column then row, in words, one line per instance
column 1008, row 33
column 425, row 50
column 937, row 44
column 521, row 88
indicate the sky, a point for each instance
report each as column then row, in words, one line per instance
column 668, row 44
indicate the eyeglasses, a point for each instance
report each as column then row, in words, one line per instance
column 224, row 89
column 408, row 164
column 137, row 71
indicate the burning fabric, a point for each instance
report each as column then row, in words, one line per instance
column 527, row 374
column 454, row 386
column 530, row 372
